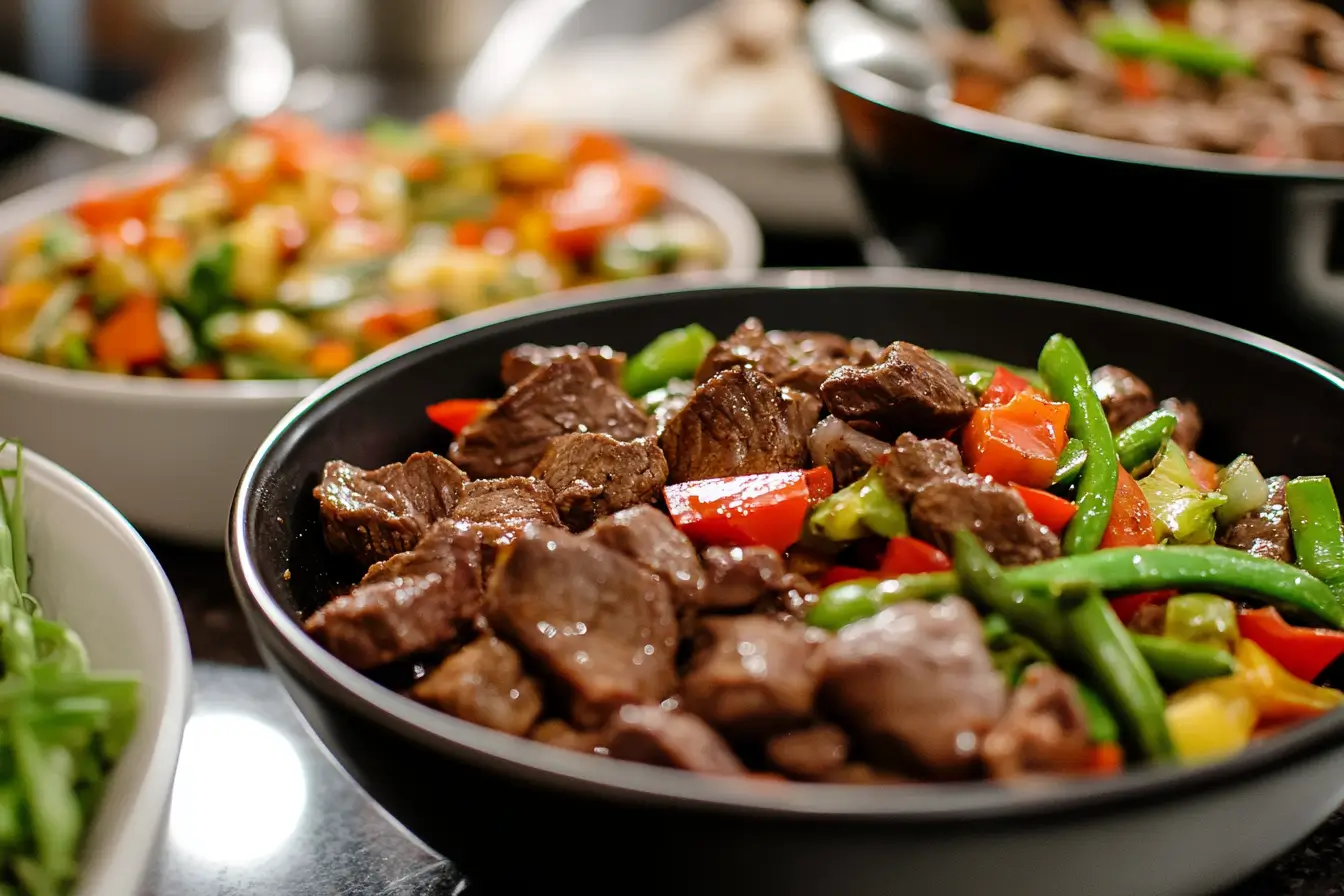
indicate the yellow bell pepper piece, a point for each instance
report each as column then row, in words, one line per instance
column 19, row 304
column 1280, row 696
column 1211, row 719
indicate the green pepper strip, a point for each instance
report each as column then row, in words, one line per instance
column 964, row 365
column 1317, row 536
column 1177, row 46
column 1205, row 567
column 1066, row 373
column 1178, row 663
column 674, row 355
column 1118, row 670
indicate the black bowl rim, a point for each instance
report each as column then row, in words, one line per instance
column 942, row 110
column 954, row 803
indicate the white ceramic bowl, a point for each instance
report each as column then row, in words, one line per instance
column 93, row 572
column 168, row 453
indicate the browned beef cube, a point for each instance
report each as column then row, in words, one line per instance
column 566, row 395
column 751, row 676
column 848, row 452
column 1044, row 729
column 1189, row 423
column 373, row 514
column 483, row 683
column 738, row 423
column 809, row 753
column 501, row 508
column 749, row 346
column 914, row 463
column 590, row 616
column 801, row 360
column 739, row 578
column 1124, row 397
column 995, row 513
column 1265, row 531
column 915, row 682
column 412, row 603
column 521, row 360
column 654, row 736
column 906, row 391
column 593, row 475
column 559, row 733
column 647, row 536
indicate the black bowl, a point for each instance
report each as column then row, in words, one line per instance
column 1236, row 238
column 522, row 816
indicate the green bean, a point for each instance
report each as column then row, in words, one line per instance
column 1066, row 374
column 673, row 355
column 1136, row 444
column 966, row 365
column 1101, row 725
column 984, row 582
column 1178, row 663
column 1071, row 461
column 1012, row 652
column 1317, row 535
column 1173, row 45
column 1103, row 645
column 1120, row 570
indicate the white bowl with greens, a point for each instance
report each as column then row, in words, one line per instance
column 95, row 688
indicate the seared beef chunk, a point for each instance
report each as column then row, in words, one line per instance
column 566, row 395
column 1189, row 424
column 1265, row 531
column 751, row 676
column 1124, row 397
column 1044, row 729
column 803, row 409
column 738, row 578
column 809, row 753
column 915, row 681
column 483, row 683
column 520, row 361
column 862, row 773
column 1149, row 619
column 914, row 463
column 589, row 615
column 663, row 404
column 801, row 360
column 995, row 513
column 559, row 733
column 647, row 536
column 501, row 508
column 593, row 475
column 848, row 452
column 373, row 514
column 652, row 735
column 409, row 604
column 736, row 424
column 906, row 391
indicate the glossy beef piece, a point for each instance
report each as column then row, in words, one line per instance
column 594, row 619
column 915, row 682
column 483, row 683
column 750, row 346
column 737, row 423
column 373, row 514
column 521, row 360
column 647, row 536
column 798, row 359
column 995, row 513
column 1044, row 729
column 906, row 391
column 913, row 463
column 559, row 733
column 412, row 603
column 1265, row 531
column 848, row 452
column 1189, row 423
column 817, row 355
column 501, row 508
column 803, row 409
column 809, row 754
column 739, row 578
column 751, row 676
column 566, row 395
column 593, row 475
column 1124, row 397
column 654, row 736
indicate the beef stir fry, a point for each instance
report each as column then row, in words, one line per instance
column 807, row 556
column 1257, row 77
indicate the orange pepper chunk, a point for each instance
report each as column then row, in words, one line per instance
column 1019, row 441
column 131, row 335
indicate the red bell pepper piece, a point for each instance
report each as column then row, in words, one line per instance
column 1131, row 523
column 1019, row 441
column 762, row 509
column 910, row 555
column 104, row 208
column 455, row 413
column 1105, row 759
column 1049, row 510
column 820, row 484
column 601, row 197
column 1003, row 385
column 1203, row 470
column 1305, row 652
column 1126, row 607
column 837, row 574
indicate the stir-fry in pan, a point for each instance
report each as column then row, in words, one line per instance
column 288, row 252
column 1257, row 77
column 805, row 555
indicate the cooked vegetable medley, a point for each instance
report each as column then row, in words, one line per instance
column 1255, row 77
column 288, row 252
column 801, row 555
column 62, row 726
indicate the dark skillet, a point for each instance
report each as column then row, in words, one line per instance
column 522, row 816
column 1232, row 237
